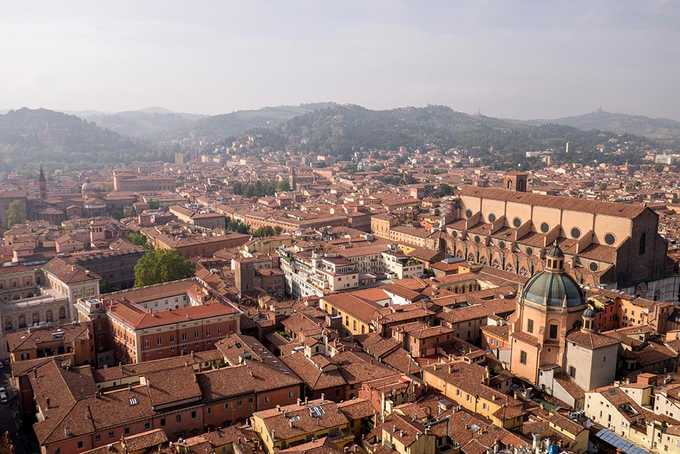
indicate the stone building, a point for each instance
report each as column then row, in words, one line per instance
column 24, row 303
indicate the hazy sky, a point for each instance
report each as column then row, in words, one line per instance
column 525, row 59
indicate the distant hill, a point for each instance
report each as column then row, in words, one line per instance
column 343, row 129
column 218, row 127
column 33, row 136
column 660, row 129
column 161, row 124
column 154, row 123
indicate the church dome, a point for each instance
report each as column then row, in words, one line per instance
column 553, row 287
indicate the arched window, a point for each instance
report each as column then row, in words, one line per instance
column 62, row 313
column 22, row 321
column 49, row 317
column 9, row 326
column 643, row 244
column 35, row 318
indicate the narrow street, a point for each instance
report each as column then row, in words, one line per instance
column 10, row 419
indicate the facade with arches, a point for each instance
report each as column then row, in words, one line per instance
column 611, row 244
column 25, row 303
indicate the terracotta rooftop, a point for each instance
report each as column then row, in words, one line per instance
column 69, row 273
column 139, row 318
column 564, row 203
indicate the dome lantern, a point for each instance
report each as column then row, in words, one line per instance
column 553, row 287
column 554, row 259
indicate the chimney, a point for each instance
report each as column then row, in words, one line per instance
column 323, row 397
column 536, row 439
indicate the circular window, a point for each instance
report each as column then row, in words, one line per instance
column 593, row 266
column 454, row 234
column 609, row 238
column 468, row 213
column 517, row 222
column 477, row 239
column 545, row 227
column 501, row 245
column 530, row 251
column 575, row 233
column 492, row 217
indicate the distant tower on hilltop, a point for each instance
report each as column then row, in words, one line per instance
column 566, row 148
column 42, row 181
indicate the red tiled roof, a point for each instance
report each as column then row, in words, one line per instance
column 140, row 318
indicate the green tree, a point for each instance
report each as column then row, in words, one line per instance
column 158, row 266
column 264, row 231
column 117, row 213
column 154, row 205
column 16, row 213
column 283, row 186
column 137, row 238
column 236, row 226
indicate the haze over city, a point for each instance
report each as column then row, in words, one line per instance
column 520, row 59
column 339, row 227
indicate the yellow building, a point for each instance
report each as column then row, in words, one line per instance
column 467, row 385
column 283, row 427
column 407, row 437
column 357, row 314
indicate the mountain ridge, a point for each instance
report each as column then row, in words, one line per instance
column 662, row 129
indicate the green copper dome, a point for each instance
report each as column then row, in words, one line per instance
column 554, row 289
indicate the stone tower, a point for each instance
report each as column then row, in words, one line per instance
column 43, row 185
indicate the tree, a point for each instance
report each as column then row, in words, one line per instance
column 264, row 231
column 16, row 213
column 137, row 238
column 283, row 186
column 158, row 266
column 117, row 213
column 236, row 226
column 154, row 205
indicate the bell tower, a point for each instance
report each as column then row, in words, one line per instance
column 516, row 181
column 42, row 182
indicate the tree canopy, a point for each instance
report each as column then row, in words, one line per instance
column 137, row 238
column 234, row 225
column 260, row 188
column 16, row 213
column 266, row 231
column 157, row 266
